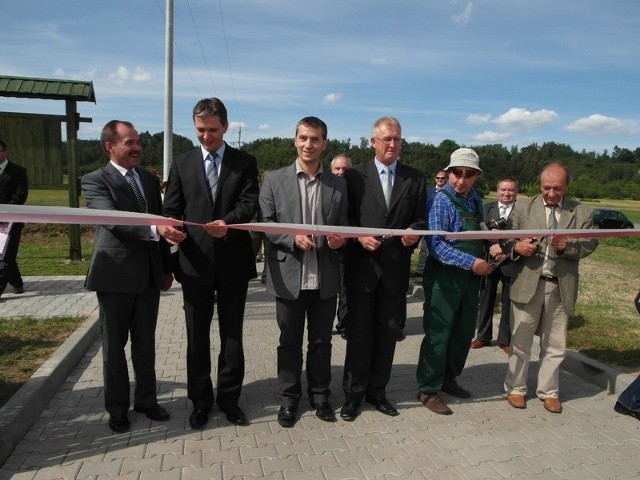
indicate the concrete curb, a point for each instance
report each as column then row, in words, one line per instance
column 592, row 371
column 22, row 410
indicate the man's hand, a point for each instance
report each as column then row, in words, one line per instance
column 526, row 247
column 408, row 240
column 171, row 234
column 216, row 229
column 335, row 241
column 481, row 267
column 496, row 252
column 370, row 243
column 559, row 243
column 303, row 242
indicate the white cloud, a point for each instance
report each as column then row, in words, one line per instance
column 464, row 17
column 123, row 75
column 518, row 119
column 597, row 125
column 476, row 119
column 233, row 125
column 264, row 126
column 491, row 137
column 332, row 98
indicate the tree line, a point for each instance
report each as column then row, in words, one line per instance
column 613, row 175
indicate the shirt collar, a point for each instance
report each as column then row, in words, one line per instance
column 123, row 170
column 3, row 165
column 220, row 151
column 380, row 166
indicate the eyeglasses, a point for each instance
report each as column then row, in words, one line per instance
column 388, row 140
column 464, row 173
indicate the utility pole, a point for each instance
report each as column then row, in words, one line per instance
column 168, row 93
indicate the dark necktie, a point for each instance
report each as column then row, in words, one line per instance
column 142, row 204
column 212, row 174
column 552, row 223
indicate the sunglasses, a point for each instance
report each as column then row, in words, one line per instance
column 464, row 173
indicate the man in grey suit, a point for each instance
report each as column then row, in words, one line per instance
column 304, row 271
column 129, row 267
column 507, row 190
column 544, row 286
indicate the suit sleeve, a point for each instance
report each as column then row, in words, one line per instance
column 246, row 204
column 269, row 212
column 19, row 196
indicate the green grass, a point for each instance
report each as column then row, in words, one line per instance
column 25, row 344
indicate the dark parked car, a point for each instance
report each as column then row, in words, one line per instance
column 605, row 218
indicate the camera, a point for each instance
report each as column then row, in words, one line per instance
column 499, row 224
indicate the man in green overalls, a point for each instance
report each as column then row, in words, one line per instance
column 451, row 283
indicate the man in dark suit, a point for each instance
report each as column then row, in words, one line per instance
column 129, row 267
column 214, row 185
column 507, row 190
column 14, row 189
column 304, row 271
column 440, row 180
column 383, row 193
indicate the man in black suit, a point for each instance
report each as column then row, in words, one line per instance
column 383, row 193
column 129, row 267
column 214, row 185
column 440, row 180
column 507, row 190
column 14, row 189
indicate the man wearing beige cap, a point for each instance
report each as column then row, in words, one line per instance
column 452, row 287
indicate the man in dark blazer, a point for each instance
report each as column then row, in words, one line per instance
column 507, row 190
column 14, row 188
column 304, row 271
column 214, row 185
column 440, row 180
column 128, row 268
column 383, row 193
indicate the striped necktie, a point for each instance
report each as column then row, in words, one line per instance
column 387, row 186
column 142, row 204
column 212, row 174
column 552, row 223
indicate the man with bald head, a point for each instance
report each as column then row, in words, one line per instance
column 544, row 285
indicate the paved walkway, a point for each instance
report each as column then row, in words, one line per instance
column 484, row 438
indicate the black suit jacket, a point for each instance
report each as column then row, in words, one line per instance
column 123, row 255
column 14, row 186
column 203, row 259
column 391, row 262
column 492, row 212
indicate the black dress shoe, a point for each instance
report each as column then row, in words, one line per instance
column 618, row 407
column 400, row 335
column 156, row 413
column 287, row 417
column 451, row 387
column 235, row 415
column 383, row 406
column 349, row 411
column 198, row 418
column 18, row 290
column 119, row 423
column 325, row 412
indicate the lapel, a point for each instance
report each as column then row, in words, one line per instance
column 400, row 184
column 224, row 170
column 566, row 213
column 292, row 192
column 202, row 183
column 121, row 187
column 327, row 188
column 372, row 177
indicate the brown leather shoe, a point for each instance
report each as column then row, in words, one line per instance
column 552, row 404
column 434, row 403
column 475, row 343
column 504, row 348
column 517, row 401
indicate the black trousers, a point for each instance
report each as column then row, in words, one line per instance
column 290, row 315
column 198, row 309
column 484, row 323
column 9, row 271
column 121, row 315
column 372, row 330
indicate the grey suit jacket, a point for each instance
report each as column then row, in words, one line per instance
column 123, row 255
column 530, row 214
column 280, row 202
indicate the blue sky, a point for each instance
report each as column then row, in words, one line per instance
column 477, row 72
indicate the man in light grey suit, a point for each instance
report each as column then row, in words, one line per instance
column 544, row 286
column 304, row 271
